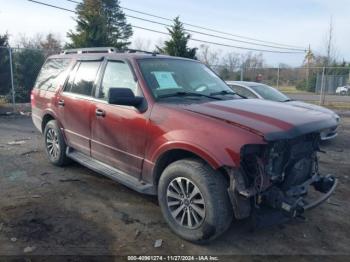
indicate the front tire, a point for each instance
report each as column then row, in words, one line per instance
column 194, row 200
column 55, row 146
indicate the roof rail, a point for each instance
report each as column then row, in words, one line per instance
column 89, row 50
column 100, row 50
column 140, row 51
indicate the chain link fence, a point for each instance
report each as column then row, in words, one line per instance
column 19, row 68
column 329, row 86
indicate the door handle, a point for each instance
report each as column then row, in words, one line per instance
column 61, row 102
column 100, row 112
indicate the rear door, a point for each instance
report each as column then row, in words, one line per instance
column 118, row 132
column 52, row 76
column 76, row 104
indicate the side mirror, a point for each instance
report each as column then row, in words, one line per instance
column 124, row 97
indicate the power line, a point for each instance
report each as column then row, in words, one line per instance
column 53, row 6
column 192, row 39
column 220, row 44
column 211, row 35
column 206, row 28
column 216, row 36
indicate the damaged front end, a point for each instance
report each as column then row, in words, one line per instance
column 273, row 181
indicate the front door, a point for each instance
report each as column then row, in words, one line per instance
column 118, row 132
column 76, row 105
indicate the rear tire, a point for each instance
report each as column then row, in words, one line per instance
column 205, row 211
column 55, row 146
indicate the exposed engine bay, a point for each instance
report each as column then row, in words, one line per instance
column 274, row 179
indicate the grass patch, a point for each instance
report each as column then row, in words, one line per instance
column 332, row 105
column 291, row 90
column 2, row 101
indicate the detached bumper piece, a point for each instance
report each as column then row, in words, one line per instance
column 324, row 185
column 275, row 206
column 293, row 202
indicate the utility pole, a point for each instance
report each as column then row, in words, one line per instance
column 12, row 85
column 309, row 57
column 308, row 60
column 278, row 76
column 322, row 87
column 328, row 59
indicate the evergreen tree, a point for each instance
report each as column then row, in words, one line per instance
column 51, row 44
column 4, row 40
column 100, row 23
column 5, row 78
column 27, row 64
column 177, row 45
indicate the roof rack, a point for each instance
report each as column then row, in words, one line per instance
column 140, row 51
column 89, row 50
column 99, row 50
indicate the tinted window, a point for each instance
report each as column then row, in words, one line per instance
column 52, row 74
column 243, row 91
column 117, row 74
column 269, row 93
column 84, row 78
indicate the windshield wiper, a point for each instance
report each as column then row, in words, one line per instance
column 288, row 100
column 225, row 92
column 182, row 94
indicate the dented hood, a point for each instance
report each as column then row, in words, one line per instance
column 272, row 120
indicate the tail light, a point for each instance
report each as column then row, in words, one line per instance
column 32, row 98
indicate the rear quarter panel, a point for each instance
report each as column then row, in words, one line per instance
column 45, row 101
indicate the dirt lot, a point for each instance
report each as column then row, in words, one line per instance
column 72, row 210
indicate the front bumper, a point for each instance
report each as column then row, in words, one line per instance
column 275, row 206
column 328, row 134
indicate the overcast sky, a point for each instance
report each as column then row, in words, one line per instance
column 293, row 22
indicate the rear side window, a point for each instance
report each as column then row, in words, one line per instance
column 52, row 73
column 82, row 82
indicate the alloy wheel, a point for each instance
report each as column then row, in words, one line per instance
column 52, row 143
column 186, row 203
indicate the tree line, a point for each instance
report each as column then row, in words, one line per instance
column 103, row 23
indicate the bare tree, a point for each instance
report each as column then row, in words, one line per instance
column 207, row 56
column 52, row 43
column 329, row 59
column 331, row 53
column 142, row 44
column 230, row 65
column 232, row 61
column 251, row 60
column 23, row 41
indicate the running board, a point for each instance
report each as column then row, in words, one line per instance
column 111, row 172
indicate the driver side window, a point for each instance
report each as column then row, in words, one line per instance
column 117, row 75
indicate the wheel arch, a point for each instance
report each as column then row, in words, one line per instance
column 175, row 154
column 46, row 118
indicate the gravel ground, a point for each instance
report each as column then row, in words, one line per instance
column 47, row 210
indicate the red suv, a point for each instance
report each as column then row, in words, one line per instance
column 171, row 127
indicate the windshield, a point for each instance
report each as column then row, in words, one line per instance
column 269, row 93
column 176, row 77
